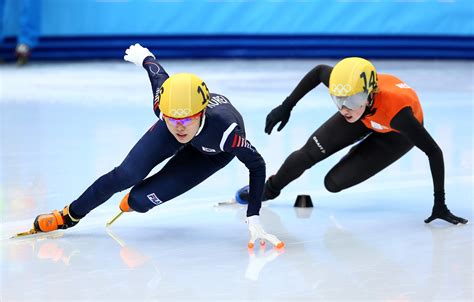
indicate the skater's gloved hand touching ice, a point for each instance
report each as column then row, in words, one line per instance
column 442, row 212
column 280, row 114
column 136, row 54
column 257, row 232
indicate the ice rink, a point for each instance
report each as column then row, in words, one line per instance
column 65, row 124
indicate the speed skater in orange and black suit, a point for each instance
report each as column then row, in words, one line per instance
column 380, row 112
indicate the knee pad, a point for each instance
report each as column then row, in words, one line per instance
column 331, row 185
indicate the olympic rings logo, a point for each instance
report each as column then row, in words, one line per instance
column 341, row 90
column 180, row 112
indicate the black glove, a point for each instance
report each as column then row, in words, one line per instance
column 279, row 114
column 442, row 212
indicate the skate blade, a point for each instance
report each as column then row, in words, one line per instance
column 226, row 203
column 109, row 223
column 33, row 235
column 23, row 234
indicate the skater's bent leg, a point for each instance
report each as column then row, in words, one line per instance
column 370, row 156
column 155, row 146
column 184, row 171
column 335, row 134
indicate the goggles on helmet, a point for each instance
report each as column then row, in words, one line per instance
column 352, row 102
column 183, row 121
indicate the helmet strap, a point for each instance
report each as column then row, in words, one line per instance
column 369, row 110
column 371, row 100
column 201, row 122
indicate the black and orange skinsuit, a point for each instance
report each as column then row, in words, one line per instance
column 390, row 126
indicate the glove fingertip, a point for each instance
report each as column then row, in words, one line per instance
column 282, row 125
column 268, row 129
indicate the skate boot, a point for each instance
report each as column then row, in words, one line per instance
column 124, row 206
column 242, row 196
column 269, row 191
column 55, row 220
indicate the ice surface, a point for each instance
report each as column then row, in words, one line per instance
column 65, row 124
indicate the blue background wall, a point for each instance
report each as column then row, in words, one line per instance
column 240, row 28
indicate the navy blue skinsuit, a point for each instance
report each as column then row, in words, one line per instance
column 220, row 138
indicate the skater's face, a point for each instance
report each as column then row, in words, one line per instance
column 350, row 115
column 184, row 129
column 351, row 107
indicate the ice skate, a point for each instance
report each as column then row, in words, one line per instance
column 51, row 222
column 54, row 221
column 242, row 196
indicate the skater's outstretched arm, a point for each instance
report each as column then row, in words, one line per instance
column 141, row 56
column 236, row 144
column 409, row 126
column 281, row 113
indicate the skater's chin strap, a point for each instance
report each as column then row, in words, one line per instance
column 203, row 120
column 369, row 109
